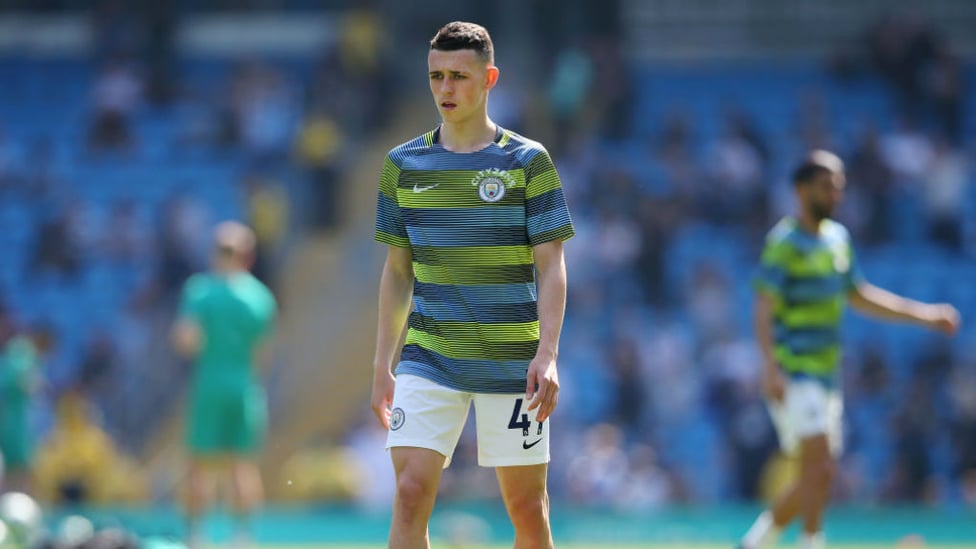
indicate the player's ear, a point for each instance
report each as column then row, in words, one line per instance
column 492, row 77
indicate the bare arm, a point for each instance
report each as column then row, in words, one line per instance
column 874, row 301
column 772, row 378
column 186, row 338
column 396, row 290
column 542, row 375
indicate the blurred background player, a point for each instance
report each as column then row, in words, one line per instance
column 18, row 382
column 225, row 319
column 807, row 274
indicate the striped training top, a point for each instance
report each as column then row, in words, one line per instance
column 470, row 221
column 809, row 278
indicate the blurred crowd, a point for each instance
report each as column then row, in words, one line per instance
column 660, row 400
column 111, row 170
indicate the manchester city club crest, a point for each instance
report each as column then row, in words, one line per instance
column 397, row 417
column 492, row 184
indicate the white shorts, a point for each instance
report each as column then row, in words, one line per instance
column 429, row 415
column 808, row 409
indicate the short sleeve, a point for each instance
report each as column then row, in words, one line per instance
column 191, row 298
column 389, row 221
column 770, row 275
column 854, row 276
column 546, row 213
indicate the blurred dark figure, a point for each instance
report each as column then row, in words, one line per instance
column 318, row 148
column 9, row 165
column 868, row 171
column 912, row 426
column 116, row 95
column 268, row 213
column 54, row 247
column 128, row 239
column 98, row 368
column 629, row 396
column 945, row 187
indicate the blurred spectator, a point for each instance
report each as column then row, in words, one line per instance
column 116, row 95
column 184, row 218
column 55, row 249
column 945, row 86
column 9, row 162
column 946, row 186
column 264, row 110
column 98, row 370
column 78, row 463
column 43, row 171
column 629, row 396
column 867, row 170
column 906, row 152
column 569, row 86
column 127, row 240
column 318, row 149
column 268, row 214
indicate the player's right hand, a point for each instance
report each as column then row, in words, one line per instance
column 773, row 382
column 382, row 399
column 944, row 318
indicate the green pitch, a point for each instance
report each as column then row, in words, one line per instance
column 629, row 546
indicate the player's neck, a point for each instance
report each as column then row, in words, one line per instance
column 809, row 223
column 226, row 268
column 469, row 135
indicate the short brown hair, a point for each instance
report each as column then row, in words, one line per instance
column 460, row 35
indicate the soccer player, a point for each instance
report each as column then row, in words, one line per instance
column 225, row 319
column 474, row 217
column 18, row 381
column 807, row 274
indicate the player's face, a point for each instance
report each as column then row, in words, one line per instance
column 459, row 82
column 822, row 194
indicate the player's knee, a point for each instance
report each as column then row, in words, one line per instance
column 529, row 512
column 413, row 493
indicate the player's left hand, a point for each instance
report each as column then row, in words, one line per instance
column 542, row 386
column 944, row 318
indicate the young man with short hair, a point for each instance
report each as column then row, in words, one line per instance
column 474, row 217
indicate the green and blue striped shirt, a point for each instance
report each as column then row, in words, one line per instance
column 470, row 221
column 809, row 278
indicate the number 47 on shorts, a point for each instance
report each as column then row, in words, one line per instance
column 521, row 421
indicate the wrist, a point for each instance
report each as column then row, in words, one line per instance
column 547, row 353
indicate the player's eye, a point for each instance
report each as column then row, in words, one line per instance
column 459, row 76
column 436, row 76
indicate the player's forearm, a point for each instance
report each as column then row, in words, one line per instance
column 879, row 303
column 551, row 306
column 396, row 289
column 763, row 328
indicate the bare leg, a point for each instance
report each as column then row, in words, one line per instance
column 199, row 496
column 527, row 502
column 418, row 474
column 247, row 496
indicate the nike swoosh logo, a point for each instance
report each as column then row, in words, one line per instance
column 526, row 445
column 417, row 189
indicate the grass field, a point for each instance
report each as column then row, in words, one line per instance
column 628, row 546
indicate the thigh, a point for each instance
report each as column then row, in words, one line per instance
column 204, row 433
column 508, row 433
column 521, row 483
column 809, row 409
column 246, row 420
column 427, row 415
